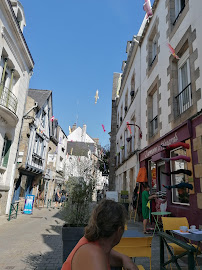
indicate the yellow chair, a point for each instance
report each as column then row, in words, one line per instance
column 174, row 223
column 135, row 247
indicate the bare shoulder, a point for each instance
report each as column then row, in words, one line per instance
column 89, row 257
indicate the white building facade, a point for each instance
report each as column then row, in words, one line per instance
column 160, row 97
column 33, row 145
column 82, row 159
column 16, row 67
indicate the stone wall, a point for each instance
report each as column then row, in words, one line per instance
column 197, row 145
column 3, row 201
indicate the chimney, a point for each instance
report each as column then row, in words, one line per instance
column 73, row 127
column 84, row 133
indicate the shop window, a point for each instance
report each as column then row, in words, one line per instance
column 184, row 98
column 5, row 152
column 179, row 195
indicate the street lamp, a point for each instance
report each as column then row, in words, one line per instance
column 128, row 124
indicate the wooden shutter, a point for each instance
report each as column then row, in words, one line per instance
column 6, row 154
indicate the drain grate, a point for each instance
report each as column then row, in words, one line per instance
column 9, row 267
column 36, row 217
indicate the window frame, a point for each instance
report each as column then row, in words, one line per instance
column 184, row 60
column 43, row 119
column 172, row 177
column 6, row 145
column 178, row 9
column 154, row 122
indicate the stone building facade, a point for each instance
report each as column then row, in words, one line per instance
column 16, row 68
column 33, row 146
column 160, row 97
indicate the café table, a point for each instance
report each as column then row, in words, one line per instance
column 190, row 250
column 157, row 220
column 193, row 236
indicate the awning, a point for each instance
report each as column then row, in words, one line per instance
column 142, row 175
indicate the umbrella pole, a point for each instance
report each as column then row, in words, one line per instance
column 137, row 203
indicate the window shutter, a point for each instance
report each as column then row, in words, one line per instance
column 6, row 155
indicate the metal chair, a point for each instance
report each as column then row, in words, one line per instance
column 135, row 247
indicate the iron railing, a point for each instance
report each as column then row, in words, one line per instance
column 189, row 251
column 8, row 99
column 184, row 99
column 153, row 126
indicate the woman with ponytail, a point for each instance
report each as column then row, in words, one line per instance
column 104, row 231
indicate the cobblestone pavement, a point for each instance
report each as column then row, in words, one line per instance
column 32, row 241
column 35, row 242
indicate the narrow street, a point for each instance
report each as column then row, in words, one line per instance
column 32, row 242
column 35, row 242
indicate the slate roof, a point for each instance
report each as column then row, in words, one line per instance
column 80, row 148
column 39, row 96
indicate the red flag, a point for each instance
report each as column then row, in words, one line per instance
column 129, row 128
column 173, row 51
column 103, row 128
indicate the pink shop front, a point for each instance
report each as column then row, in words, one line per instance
column 161, row 169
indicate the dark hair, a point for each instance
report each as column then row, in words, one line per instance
column 105, row 219
column 146, row 185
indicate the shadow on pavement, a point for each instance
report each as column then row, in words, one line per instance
column 51, row 260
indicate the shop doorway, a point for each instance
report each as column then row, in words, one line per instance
column 131, row 185
column 161, row 176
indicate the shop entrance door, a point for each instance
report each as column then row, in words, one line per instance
column 161, row 176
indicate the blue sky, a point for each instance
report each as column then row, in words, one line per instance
column 76, row 46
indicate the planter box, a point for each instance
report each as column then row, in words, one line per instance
column 70, row 237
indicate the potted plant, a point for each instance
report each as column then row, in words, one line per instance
column 76, row 212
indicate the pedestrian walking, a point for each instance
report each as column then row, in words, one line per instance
column 57, row 198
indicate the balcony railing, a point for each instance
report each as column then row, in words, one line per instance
column 153, row 126
column 8, row 99
column 184, row 99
